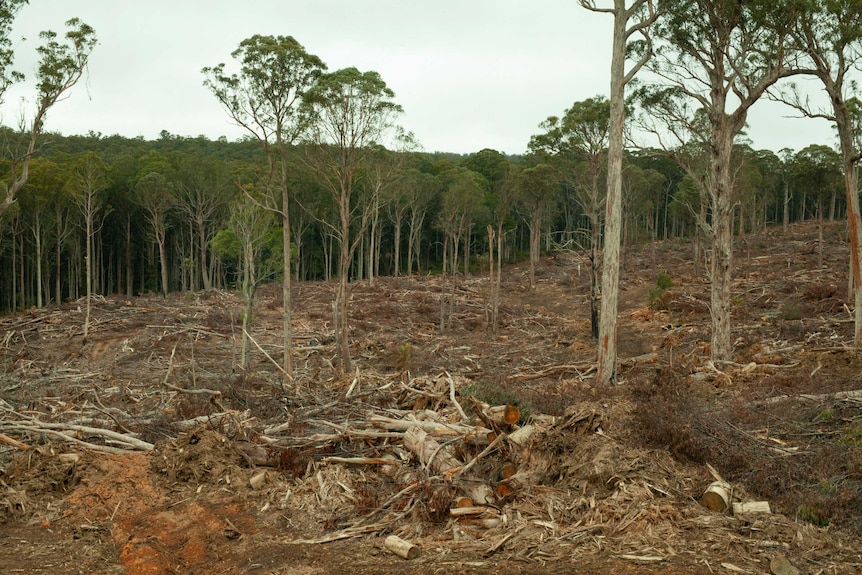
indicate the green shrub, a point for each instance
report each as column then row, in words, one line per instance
column 663, row 282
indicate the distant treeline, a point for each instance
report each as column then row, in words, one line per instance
column 174, row 196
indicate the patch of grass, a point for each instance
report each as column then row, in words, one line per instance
column 403, row 356
column 811, row 514
column 791, row 311
column 852, row 435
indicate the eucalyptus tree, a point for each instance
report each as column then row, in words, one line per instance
column 504, row 200
column 203, row 192
column 88, row 182
column 123, row 173
column 396, row 201
column 350, row 113
column 155, row 194
column 538, row 189
column 642, row 192
column 263, row 97
column 42, row 189
column 578, row 143
column 249, row 238
column 716, row 58
column 830, row 35
column 382, row 171
column 817, row 170
column 462, row 202
column 422, row 197
column 630, row 19
column 770, row 166
column 60, row 65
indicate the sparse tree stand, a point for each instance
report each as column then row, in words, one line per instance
column 350, row 113
column 155, row 196
column 250, row 224
column 714, row 55
column 644, row 14
column 830, row 35
column 60, row 67
column 263, row 98
column 89, row 180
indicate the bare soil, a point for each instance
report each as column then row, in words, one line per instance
column 614, row 482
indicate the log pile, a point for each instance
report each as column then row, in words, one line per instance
column 434, row 447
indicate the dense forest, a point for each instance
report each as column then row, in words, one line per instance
column 179, row 193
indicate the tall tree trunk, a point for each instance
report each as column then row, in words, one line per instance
column 89, row 272
column 163, row 261
column 206, row 276
column 607, row 333
column 129, row 264
column 37, row 232
column 854, row 222
column 342, row 329
column 396, row 258
column 721, row 261
column 287, row 329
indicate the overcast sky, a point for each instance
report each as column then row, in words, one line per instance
column 470, row 74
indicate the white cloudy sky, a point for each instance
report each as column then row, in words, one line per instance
column 470, row 74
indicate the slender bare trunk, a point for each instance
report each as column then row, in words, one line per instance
column 721, row 261
column 607, row 332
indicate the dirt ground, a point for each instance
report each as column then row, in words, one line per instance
column 219, row 471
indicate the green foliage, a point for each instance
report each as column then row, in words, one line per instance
column 226, row 245
column 810, row 514
column 852, row 434
column 663, row 283
column 825, row 416
column 403, row 356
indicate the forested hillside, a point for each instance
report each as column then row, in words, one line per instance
column 43, row 237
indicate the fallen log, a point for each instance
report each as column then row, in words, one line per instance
column 400, row 547
column 522, row 435
column 62, row 429
column 469, row 434
column 752, row 508
column 429, row 451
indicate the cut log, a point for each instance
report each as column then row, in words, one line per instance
column 507, row 470
column 429, row 451
column 717, row 496
column 503, row 415
column 752, row 508
column 522, row 435
column 257, row 481
column 487, row 522
column 503, row 490
column 402, row 548
column 465, row 511
column 479, row 491
column 517, row 481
